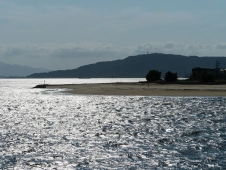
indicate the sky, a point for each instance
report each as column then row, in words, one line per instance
column 66, row 34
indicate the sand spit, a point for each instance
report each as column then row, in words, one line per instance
column 141, row 89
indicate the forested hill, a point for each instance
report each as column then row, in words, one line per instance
column 137, row 66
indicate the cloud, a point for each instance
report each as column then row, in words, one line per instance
column 218, row 49
column 11, row 51
column 221, row 46
column 92, row 50
column 73, row 50
column 60, row 56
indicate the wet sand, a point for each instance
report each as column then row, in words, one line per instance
column 143, row 89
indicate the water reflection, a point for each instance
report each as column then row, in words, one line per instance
column 44, row 129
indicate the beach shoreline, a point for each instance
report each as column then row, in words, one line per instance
column 142, row 89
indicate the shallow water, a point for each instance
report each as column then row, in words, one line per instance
column 46, row 129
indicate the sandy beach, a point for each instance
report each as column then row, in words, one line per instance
column 143, row 89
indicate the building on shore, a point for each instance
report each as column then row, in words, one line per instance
column 217, row 72
column 197, row 72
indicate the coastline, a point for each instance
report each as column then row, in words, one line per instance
column 141, row 89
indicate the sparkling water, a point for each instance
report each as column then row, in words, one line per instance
column 47, row 129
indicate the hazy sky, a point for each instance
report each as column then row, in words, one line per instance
column 64, row 34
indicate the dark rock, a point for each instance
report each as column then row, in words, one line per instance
column 40, row 86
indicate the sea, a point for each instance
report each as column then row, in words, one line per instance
column 51, row 129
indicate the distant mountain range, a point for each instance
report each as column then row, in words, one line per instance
column 137, row 66
column 8, row 70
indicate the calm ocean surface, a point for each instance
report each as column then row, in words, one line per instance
column 47, row 129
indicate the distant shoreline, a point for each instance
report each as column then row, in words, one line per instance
column 142, row 89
